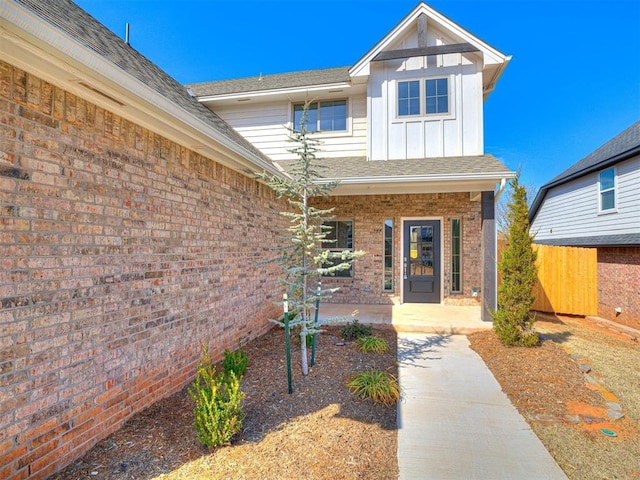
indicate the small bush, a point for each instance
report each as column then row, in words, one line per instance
column 355, row 330
column 236, row 362
column 379, row 386
column 373, row 344
column 218, row 413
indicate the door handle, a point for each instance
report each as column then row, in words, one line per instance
column 404, row 268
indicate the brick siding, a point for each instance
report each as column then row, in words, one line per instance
column 369, row 213
column 619, row 284
column 121, row 253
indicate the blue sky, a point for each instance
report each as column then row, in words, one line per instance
column 573, row 82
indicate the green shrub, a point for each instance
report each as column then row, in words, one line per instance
column 236, row 362
column 355, row 330
column 512, row 321
column 373, row 344
column 379, row 386
column 218, row 413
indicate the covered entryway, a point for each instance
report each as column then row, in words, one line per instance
column 421, row 261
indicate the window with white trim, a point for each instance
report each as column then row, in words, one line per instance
column 607, row 188
column 437, row 95
column 409, row 98
column 434, row 91
column 338, row 239
column 388, row 256
column 456, row 255
column 324, row 116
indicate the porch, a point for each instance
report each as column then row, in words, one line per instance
column 412, row 317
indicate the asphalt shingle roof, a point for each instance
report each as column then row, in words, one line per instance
column 360, row 167
column 86, row 30
column 619, row 148
column 625, row 141
column 595, row 241
column 272, row 82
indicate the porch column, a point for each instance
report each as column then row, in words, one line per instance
column 489, row 274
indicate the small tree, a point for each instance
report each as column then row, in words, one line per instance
column 302, row 256
column 513, row 321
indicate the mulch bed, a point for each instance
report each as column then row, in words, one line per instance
column 321, row 431
column 538, row 381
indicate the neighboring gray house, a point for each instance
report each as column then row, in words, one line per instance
column 596, row 203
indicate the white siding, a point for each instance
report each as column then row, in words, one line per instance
column 571, row 210
column 460, row 132
column 265, row 125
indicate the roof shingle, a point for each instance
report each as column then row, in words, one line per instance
column 359, row 167
column 86, row 30
column 305, row 78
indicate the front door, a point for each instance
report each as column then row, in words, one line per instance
column 421, row 261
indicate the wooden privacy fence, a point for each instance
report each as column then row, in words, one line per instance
column 567, row 279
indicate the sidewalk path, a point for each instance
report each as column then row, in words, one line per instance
column 454, row 421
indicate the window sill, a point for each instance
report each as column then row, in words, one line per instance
column 607, row 212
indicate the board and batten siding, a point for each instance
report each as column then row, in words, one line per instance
column 265, row 125
column 457, row 133
column 571, row 210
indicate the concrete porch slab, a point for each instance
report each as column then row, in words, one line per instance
column 412, row 317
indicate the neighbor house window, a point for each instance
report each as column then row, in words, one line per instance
column 388, row 256
column 325, row 116
column 607, row 189
column 456, row 255
column 340, row 238
column 437, row 95
column 409, row 98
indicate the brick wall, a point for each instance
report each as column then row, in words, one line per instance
column 619, row 284
column 120, row 254
column 369, row 214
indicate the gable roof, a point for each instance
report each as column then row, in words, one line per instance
column 491, row 56
column 279, row 81
column 494, row 63
column 623, row 146
column 74, row 23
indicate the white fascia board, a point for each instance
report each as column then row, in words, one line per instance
column 275, row 91
column 414, row 187
column 406, row 179
column 490, row 54
column 31, row 44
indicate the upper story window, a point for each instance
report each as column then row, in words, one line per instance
column 607, row 187
column 409, row 98
column 324, row 116
column 435, row 93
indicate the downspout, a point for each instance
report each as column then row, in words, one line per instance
column 503, row 184
column 496, row 197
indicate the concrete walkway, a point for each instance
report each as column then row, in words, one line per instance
column 454, row 421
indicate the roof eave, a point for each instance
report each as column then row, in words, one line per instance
column 416, row 184
column 32, row 44
column 491, row 54
column 542, row 193
column 273, row 91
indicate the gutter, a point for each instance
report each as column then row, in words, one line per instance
column 542, row 193
column 25, row 30
column 273, row 91
column 413, row 178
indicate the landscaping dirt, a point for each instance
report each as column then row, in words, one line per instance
column 321, row 431
column 568, row 406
